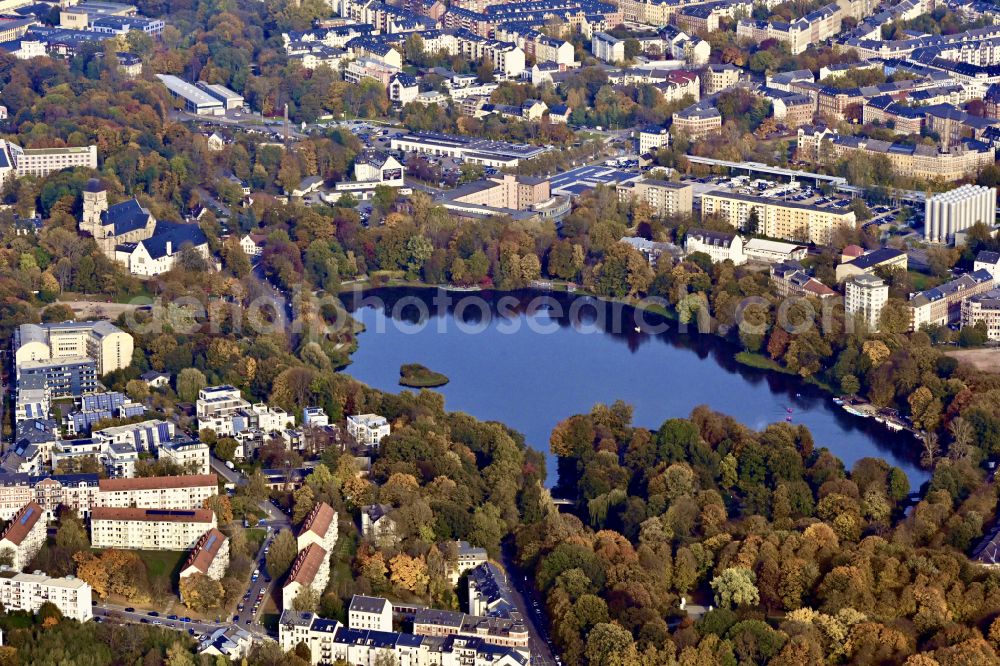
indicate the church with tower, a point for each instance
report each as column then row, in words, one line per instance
column 129, row 234
column 111, row 226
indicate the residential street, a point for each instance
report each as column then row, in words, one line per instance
column 531, row 607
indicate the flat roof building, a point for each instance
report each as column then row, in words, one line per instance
column 195, row 99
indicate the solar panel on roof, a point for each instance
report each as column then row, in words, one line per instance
column 211, row 540
column 27, row 515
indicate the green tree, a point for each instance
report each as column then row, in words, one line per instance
column 189, row 382
column 736, row 586
column 282, row 553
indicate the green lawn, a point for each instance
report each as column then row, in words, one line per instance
column 163, row 562
column 922, row 281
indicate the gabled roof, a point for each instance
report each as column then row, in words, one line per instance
column 307, row 565
column 319, row 520
column 22, row 523
column 174, row 233
column 125, row 217
column 206, row 550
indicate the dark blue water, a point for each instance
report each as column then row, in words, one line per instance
column 530, row 367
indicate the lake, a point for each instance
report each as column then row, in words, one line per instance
column 529, row 361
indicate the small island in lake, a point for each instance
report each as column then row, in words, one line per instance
column 415, row 375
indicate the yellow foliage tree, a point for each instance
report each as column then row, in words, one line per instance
column 409, row 573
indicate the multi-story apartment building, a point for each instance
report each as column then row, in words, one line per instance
column 942, row 305
column 663, row 197
column 697, row 121
column 791, row 279
column 865, row 297
column 223, row 410
column 310, row 572
column 17, row 161
column 158, row 492
column 215, row 407
column 75, row 491
column 78, row 492
column 146, row 436
column 963, row 161
column 320, row 527
column 800, row 34
column 607, row 48
column 209, row 557
column 504, row 191
column 988, row 261
column 25, row 535
column 191, row 455
column 489, row 592
column 650, row 139
column 109, row 346
column 65, row 377
column 27, row 592
column 368, row 429
column 499, row 631
column 373, row 613
column 717, row 78
column 778, row 219
column 983, row 308
column 148, row 529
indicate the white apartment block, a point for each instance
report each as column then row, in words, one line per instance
column 190, row 455
column 209, row 557
column 148, row 529
column 373, row 613
column 27, row 592
column 983, row 308
column 109, row 346
column 315, row 417
column 607, row 48
column 329, row 641
column 223, row 410
column 20, row 161
column 320, row 528
column 368, row 429
column 950, row 212
column 158, row 492
column 25, row 536
column 310, row 572
column 864, row 298
column 215, row 406
column 145, row 436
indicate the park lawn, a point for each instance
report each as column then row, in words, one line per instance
column 166, row 563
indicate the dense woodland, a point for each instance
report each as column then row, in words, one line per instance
column 805, row 562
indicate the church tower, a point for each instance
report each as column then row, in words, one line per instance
column 95, row 202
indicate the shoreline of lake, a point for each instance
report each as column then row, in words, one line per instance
column 794, row 393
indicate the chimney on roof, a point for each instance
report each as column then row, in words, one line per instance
column 170, row 248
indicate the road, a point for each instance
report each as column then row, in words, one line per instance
column 118, row 613
column 532, row 608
